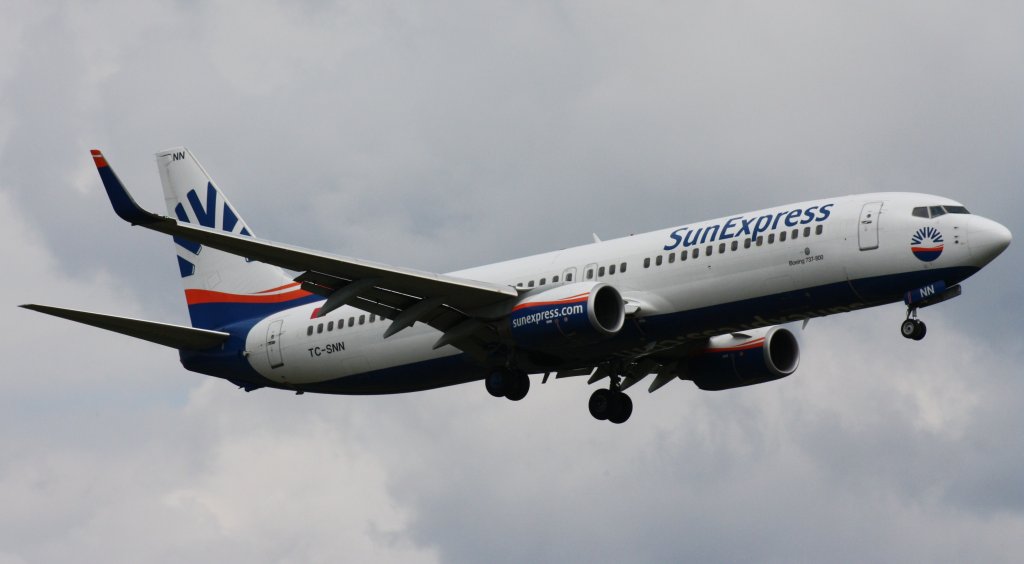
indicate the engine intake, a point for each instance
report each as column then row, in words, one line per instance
column 578, row 313
column 737, row 360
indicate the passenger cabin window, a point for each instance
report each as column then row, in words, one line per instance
column 330, row 326
column 320, row 328
column 568, row 277
column 590, row 274
column 807, row 231
column 696, row 253
column 611, row 269
column 721, row 248
column 600, row 272
column 371, row 318
column 746, row 243
column 735, row 245
column 682, row 256
column 351, row 321
column 671, row 258
column 796, row 233
column 530, row 284
column 760, row 240
column 709, row 250
column 309, row 330
column 657, row 260
column 543, row 281
column 771, row 238
column 362, row 319
column 818, row 230
column 782, row 236
column 647, row 262
column 622, row 268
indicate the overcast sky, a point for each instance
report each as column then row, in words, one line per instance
column 447, row 134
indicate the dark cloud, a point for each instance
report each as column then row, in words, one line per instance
column 447, row 136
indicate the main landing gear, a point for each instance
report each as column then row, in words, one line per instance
column 508, row 383
column 611, row 404
column 913, row 328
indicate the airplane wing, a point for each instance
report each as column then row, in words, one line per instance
column 450, row 304
column 175, row 336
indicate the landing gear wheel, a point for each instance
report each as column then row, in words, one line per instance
column 600, row 404
column 913, row 329
column 495, row 383
column 920, row 330
column 517, row 386
column 621, row 408
column 908, row 328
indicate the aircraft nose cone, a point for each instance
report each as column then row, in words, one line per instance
column 987, row 239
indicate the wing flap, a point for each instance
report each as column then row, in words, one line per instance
column 166, row 334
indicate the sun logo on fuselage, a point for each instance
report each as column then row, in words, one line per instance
column 206, row 216
column 926, row 244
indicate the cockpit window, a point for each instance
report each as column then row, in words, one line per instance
column 936, row 211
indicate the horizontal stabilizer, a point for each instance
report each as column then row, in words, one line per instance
column 166, row 334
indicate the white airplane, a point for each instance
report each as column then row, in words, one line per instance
column 701, row 302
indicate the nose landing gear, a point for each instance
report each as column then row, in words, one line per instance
column 913, row 328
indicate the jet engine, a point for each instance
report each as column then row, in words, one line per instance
column 743, row 359
column 579, row 313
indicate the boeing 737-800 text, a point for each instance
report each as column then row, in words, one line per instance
column 702, row 302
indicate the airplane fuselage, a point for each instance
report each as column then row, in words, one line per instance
column 684, row 283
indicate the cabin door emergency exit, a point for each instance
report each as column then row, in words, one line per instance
column 868, row 234
column 274, row 344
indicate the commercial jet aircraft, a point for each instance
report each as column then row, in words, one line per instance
column 703, row 302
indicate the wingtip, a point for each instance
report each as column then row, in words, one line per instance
column 97, row 157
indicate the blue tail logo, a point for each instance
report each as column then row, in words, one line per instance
column 206, row 216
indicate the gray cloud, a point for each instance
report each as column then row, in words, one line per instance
column 451, row 135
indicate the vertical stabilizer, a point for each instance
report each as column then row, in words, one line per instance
column 220, row 288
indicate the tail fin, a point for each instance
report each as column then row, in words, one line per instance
column 220, row 288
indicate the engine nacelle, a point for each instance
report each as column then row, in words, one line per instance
column 580, row 313
column 753, row 357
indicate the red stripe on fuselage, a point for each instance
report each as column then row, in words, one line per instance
column 292, row 285
column 194, row 297
column 927, row 249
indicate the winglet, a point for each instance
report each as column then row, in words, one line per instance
column 123, row 203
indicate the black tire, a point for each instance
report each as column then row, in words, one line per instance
column 920, row 330
column 599, row 404
column 495, row 383
column 621, row 408
column 909, row 328
column 519, row 386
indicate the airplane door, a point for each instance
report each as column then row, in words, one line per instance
column 590, row 271
column 569, row 275
column 274, row 344
column 868, row 234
